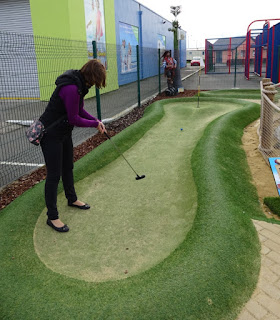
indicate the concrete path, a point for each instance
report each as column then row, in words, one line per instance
column 265, row 301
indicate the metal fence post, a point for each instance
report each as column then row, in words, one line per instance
column 278, row 67
column 235, row 63
column 98, row 105
column 138, row 75
column 159, row 75
column 229, row 56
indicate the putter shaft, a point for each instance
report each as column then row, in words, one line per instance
column 118, row 150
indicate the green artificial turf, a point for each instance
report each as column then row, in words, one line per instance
column 234, row 93
column 273, row 204
column 132, row 226
column 209, row 275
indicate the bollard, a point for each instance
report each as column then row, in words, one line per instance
column 266, row 82
column 270, row 92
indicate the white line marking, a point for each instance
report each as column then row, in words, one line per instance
column 22, row 122
column 22, row 164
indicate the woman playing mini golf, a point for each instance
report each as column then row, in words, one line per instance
column 67, row 100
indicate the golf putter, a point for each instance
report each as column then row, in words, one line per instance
column 119, row 152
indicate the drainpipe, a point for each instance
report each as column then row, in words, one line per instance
column 140, row 41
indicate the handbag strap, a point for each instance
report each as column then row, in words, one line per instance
column 56, row 122
column 63, row 117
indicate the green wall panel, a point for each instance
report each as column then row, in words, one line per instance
column 60, row 41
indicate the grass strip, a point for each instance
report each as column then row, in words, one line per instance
column 209, row 276
column 234, row 93
column 273, row 204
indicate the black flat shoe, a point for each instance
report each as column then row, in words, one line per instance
column 84, row 207
column 65, row 228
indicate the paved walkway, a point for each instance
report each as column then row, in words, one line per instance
column 265, row 301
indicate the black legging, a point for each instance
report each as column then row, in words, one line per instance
column 58, row 154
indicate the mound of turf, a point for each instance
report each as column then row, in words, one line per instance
column 209, row 276
column 234, row 93
column 273, row 204
column 133, row 213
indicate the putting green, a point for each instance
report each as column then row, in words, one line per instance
column 132, row 225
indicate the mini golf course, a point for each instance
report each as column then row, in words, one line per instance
column 179, row 244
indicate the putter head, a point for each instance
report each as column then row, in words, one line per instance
column 140, row 177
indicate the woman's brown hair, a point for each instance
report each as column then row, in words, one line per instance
column 94, row 73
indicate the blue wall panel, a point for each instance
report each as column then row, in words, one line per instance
column 275, row 67
column 258, row 51
column 269, row 53
column 149, row 25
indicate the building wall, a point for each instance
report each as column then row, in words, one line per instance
column 273, row 70
column 183, row 50
column 191, row 53
column 152, row 26
column 226, row 56
column 15, row 16
column 50, row 18
column 241, row 53
column 16, row 33
column 65, row 19
column 149, row 25
column 59, row 25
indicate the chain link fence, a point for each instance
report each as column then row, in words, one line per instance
column 225, row 55
column 269, row 129
column 29, row 66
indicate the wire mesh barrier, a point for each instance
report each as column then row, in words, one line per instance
column 262, row 50
column 225, row 55
column 254, row 55
column 269, row 129
column 221, row 81
column 29, row 66
column 225, row 60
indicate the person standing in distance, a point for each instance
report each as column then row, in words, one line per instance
column 67, row 103
column 169, row 65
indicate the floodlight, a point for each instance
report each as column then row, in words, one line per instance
column 175, row 10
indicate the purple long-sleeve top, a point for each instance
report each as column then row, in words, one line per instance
column 77, row 115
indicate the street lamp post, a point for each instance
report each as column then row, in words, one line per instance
column 175, row 10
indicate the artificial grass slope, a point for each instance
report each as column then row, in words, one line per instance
column 273, row 203
column 133, row 226
column 235, row 93
column 208, row 276
column 105, row 154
